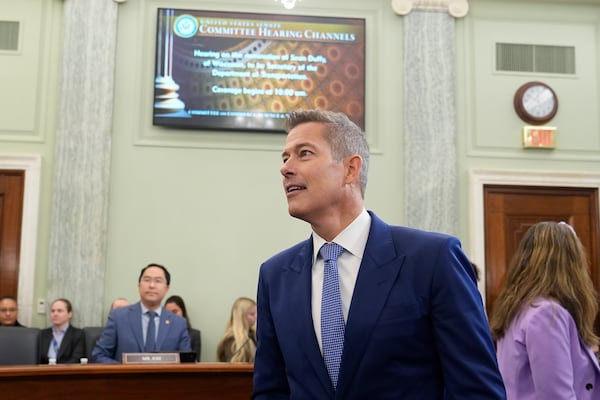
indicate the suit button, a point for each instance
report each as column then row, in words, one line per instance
column 589, row 386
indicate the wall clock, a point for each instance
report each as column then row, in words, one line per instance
column 535, row 103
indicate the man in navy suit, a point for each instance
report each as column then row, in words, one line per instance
column 415, row 327
column 127, row 327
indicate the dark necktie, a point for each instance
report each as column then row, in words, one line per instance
column 150, row 333
column 332, row 317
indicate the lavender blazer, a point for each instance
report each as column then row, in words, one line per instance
column 542, row 357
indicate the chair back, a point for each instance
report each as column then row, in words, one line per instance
column 20, row 346
column 92, row 333
column 196, row 339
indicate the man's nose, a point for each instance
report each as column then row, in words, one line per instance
column 286, row 168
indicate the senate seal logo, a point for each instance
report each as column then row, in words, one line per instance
column 185, row 26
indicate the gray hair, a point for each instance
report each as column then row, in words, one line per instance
column 344, row 137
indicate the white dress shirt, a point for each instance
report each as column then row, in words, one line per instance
column 353, row 239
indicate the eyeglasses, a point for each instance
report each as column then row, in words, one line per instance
column 8, row 310
column 157, row 281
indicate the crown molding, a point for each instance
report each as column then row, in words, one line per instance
column 456, row 8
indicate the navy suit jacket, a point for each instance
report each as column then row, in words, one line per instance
column 416, row 327
column 123, row 334
column 72, row 347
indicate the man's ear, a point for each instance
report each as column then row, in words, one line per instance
column 353, row 166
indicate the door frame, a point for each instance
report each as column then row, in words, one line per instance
column 480, row 177
column 31, row 164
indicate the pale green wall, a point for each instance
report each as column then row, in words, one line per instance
column 489, row 131
column 185, row 199
column 210, row 205
column 29, row 80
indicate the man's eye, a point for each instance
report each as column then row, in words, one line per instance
column 304, row 153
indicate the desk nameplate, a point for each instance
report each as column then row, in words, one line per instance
column 150, row 358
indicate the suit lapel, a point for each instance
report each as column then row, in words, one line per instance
column 135, row 323
column 66, row 342
column 163, row 328
column 594, row 359
column 300, row 284
column 378, row 272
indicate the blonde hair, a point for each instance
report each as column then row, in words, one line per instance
column 551, row 263
column 242, row 347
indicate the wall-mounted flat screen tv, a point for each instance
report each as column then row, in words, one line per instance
column 246, row 71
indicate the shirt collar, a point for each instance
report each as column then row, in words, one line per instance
column 353, row 238
column 60, row 329
column 144, row 309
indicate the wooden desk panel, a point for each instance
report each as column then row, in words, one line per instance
column 115, row 382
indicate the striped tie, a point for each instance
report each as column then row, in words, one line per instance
column 332, row 317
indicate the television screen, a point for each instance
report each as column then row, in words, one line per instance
column 246, row 71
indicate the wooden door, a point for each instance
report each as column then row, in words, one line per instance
column 12, row 185
column 510, row 210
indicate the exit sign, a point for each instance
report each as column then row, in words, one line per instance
column 539, row 137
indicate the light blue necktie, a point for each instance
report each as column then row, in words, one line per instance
column 332, row 317
column 53, row 349
column 150, row 333
column 54, row 346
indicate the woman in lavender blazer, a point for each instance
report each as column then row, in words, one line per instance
column 544, row 318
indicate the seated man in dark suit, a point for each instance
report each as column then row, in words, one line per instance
column 126, row 330
column 62, row 341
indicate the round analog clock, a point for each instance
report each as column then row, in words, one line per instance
column 535, row 103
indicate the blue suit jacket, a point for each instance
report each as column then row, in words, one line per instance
column 123, row 334
column 416, row 327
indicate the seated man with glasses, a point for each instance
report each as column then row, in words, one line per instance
column 9, row 311
column 144, row 326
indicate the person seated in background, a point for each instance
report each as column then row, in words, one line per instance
column 9, row 311
column 62, row 342
column 544, row 317
column 176, row 305
column 239, row 340
column 119, row 302
column 145, row 326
